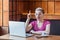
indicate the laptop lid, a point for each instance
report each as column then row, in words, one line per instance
column 17, row 28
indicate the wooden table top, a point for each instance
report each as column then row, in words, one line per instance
column 51, row 37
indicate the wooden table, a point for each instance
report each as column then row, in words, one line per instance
column 52, row 37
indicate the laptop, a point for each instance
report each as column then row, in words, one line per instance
column 18, row 29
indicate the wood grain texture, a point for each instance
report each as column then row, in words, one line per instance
column 57, row 8
column 51, row 8
column 5, row 12
column 51, row 37
column 0, row 12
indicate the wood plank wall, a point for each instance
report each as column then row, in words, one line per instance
column 0, row 12
column 17, row 9
column 4, row 12
column 20, row 8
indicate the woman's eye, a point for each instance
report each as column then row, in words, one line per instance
column 36, row 14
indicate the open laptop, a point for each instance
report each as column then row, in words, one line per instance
column 18, row 29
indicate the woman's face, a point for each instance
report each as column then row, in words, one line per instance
column 39, row 14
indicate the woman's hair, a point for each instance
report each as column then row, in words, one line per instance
column 39, row 9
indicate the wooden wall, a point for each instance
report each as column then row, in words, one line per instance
column 16, row 9
column 4, row 12
column 53, row 9
column 0, row 12
column 20, row 8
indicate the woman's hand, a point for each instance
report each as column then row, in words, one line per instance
column 29, row 15
column 36, row 32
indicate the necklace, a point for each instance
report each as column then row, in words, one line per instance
column 39, row 24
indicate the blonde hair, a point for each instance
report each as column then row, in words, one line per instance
column 39, row 9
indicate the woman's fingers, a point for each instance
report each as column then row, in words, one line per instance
column 29, row 11
column 29, row 14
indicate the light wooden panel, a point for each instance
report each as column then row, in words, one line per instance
column 57, row 8
column 35, row 0
column 57, row 0
column 0, row 5
column 55, row 17
column 44, row 6
column 38, row 4
column 45, row 0
column 0, row 18
column 50, row 7
column 5, row 18
column 50, row 0
column 0, row 12
column 5, row 5
column 28, row 0
column 5, row 12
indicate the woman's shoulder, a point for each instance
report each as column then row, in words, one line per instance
column 47, row 21
column 33, row 22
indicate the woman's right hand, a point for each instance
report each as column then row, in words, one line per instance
column 29, row 15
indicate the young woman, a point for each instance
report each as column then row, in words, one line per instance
column 40, row 25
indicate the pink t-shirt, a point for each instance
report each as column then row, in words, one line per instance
column 35, row 26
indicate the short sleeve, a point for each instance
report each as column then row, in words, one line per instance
column 32, row 23
column 48, row 22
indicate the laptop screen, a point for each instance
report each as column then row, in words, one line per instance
column 17, row 28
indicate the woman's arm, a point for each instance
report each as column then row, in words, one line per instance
column 47, row 28
column 28, row 28
column 27, row 25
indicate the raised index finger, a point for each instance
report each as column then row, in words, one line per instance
column 29, row 11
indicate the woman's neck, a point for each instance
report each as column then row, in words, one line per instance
column 41, row 20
